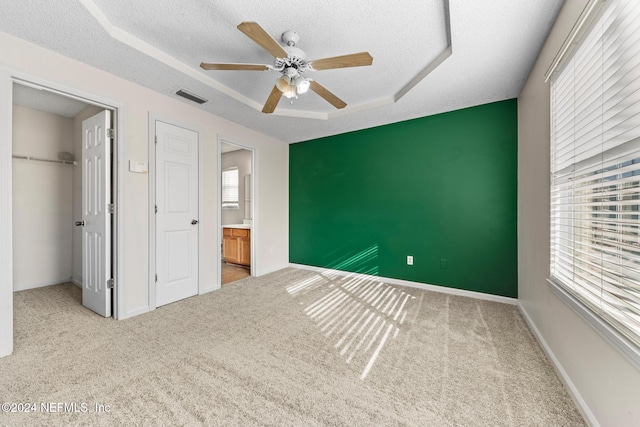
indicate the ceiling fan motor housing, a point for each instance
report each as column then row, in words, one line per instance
column 294, row 64
column 296, row 53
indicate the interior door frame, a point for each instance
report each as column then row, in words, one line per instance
column 7, row 79
column 153, row 118
column 254, row 205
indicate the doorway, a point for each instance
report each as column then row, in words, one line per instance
column 62, row 181
column 7, row 81
column 237, row 221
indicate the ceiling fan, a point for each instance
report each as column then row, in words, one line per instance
column 291, row 63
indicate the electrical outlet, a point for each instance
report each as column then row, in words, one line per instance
column 409, row 260
column 443, row 263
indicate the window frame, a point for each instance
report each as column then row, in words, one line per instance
column 624, row 345
column 230, row 204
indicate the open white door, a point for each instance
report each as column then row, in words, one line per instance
column 96, row 214
column 176, row 213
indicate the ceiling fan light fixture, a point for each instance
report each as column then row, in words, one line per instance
column 302, row 84
column 287, row 86
column 283, row 83
column 290, row 92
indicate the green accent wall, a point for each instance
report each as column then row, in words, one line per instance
column 440, row 188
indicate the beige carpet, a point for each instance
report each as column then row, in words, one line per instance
column 292, row 348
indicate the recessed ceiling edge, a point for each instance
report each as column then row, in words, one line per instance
column 160, row 55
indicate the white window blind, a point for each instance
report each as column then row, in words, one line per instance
column 230, row 188
column 595, row 170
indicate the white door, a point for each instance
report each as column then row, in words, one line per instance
column 96, row 218
column 177, row 213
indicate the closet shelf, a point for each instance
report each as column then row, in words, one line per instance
column 36, row 159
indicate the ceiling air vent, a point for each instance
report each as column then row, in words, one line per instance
column 190, row 96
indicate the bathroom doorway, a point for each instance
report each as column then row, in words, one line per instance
column 237, row 229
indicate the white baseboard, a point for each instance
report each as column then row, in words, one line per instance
column 564, row 377
column 274, row 269
column 42, row 284
column 76, row 281
column 425, row 286
column 134, row 312
column 208, row 288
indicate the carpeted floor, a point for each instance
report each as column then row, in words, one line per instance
column 292, row 348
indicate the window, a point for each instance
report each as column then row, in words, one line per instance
column 230, row 188
column 595, row 172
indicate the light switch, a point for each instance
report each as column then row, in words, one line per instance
column 137, row 167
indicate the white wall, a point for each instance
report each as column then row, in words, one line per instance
column 242, row 160
column 271, row 160
column 603, row 381
column 42, row 199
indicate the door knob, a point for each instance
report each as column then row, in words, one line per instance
column 79, row 223
column 194, row 221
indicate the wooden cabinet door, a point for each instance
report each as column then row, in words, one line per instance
column 236, row 246
column 230, row 249
column 244, row 251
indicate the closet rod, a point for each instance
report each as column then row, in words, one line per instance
column 64, row 162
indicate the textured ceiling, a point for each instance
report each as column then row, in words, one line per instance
column 46, row 101
column 492, row 47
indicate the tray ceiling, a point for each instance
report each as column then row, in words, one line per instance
column 429, row 56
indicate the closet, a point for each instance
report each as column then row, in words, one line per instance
column 46, row 141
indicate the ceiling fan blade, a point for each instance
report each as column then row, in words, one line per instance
column 272, row 101
column 248, row 67
column 256, row 33
column 344, row 61
column 328, row 96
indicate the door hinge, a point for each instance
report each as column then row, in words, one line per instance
column 156, row 208
column 155, row 138
column 110, row 284
column 110, row 208
column 156, row 278
column 111, row 134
